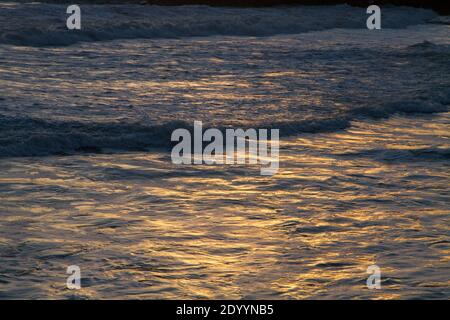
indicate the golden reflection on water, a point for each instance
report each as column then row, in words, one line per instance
column 141, row 227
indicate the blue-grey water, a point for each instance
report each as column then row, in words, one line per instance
column 86, row 177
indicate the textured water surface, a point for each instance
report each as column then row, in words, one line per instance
column 86, row 177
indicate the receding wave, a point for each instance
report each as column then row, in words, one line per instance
column 21, row 137
column 45, row 24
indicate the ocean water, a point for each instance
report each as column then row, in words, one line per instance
column 86, row 176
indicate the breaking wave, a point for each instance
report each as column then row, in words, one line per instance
column 37, row 137
column 37, row 24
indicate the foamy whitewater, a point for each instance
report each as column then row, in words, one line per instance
column 86, row 177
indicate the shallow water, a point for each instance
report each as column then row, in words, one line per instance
column 363, row 179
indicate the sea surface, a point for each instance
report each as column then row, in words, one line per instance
column 86, row 176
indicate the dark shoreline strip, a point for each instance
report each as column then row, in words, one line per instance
column 440, row 6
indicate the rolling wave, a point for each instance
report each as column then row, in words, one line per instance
column 22, row 137
column 37, row 24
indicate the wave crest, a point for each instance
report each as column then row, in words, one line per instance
column 45, row 24
column 38, row 137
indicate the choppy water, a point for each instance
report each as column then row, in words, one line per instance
column 364, row 160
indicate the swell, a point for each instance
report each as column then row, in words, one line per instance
column 23, row 137
column 45, row 24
